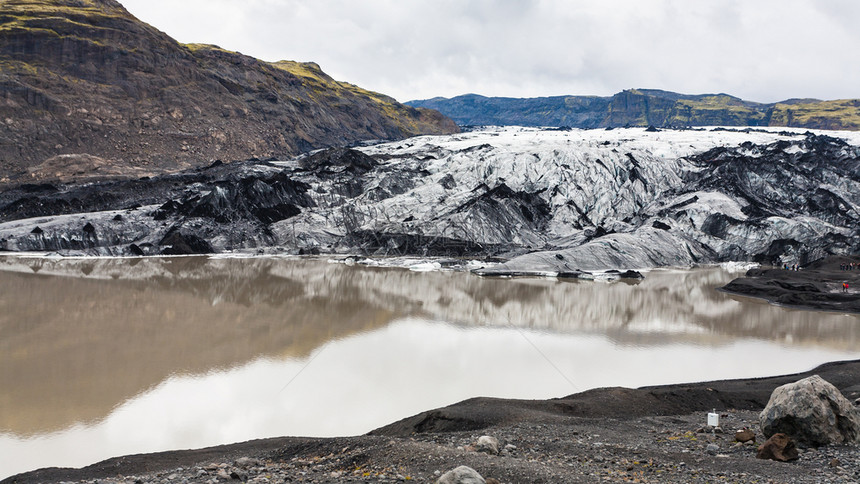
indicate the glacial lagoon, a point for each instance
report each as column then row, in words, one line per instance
column 105, row 357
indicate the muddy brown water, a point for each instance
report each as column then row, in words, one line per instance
column 104, row 357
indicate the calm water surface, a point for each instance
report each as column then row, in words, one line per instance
column 106, row 357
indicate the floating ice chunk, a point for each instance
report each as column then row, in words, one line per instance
column 425, row 267
column 738, row 266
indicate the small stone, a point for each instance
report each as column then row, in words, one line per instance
column 779, row 447
column 492, row 480
column 488, row 444
column 712, row 449
column 745, row 435
column 718, row 430
column 239, row 474
column 510, row 447
column 835, row 462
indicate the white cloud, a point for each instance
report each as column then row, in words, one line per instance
column 765, row 50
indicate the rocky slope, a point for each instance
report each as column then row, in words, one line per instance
column 87, row 90
column 555, row 201
column 645, row 107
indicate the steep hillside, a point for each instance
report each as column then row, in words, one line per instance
column 645, row 107
column 840, row 114
column 86, row 90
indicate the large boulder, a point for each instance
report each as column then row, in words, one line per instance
column 461, row 475
column 813, row 412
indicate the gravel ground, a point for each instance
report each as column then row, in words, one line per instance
column 650, row 449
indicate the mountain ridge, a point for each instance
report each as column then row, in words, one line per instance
column 646, row 107
column 84, row 84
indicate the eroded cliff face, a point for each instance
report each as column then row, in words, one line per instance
column 87, row 90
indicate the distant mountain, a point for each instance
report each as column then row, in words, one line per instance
column 86, row 89
column 645, row 107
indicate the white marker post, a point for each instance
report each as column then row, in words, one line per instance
column 714, row 419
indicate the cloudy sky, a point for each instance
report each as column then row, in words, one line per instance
column 761, row 50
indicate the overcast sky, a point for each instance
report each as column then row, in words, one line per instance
column 760, row 50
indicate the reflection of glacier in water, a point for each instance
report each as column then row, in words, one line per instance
column 106, row 357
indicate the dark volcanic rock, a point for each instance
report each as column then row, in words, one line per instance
column 90, row 91
column 266, row 199
column 175, row 243
column 778, row 447
column 337, row 161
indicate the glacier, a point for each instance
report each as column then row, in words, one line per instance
column 536, row 200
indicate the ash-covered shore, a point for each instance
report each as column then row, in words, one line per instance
column 830, row 284
column 540, row 200
column 650, row 434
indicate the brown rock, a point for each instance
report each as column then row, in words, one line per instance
column 744, row 435
column 779, row 447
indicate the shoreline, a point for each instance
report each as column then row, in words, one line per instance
column 601, row 432
column 815, row 286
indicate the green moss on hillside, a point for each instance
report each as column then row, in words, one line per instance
column 97, row 23
column 837, row 114
column 715, row 110
column 65, row 8
column 195, row 48
column 313, row 77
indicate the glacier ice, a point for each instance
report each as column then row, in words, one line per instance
column 542, row 200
